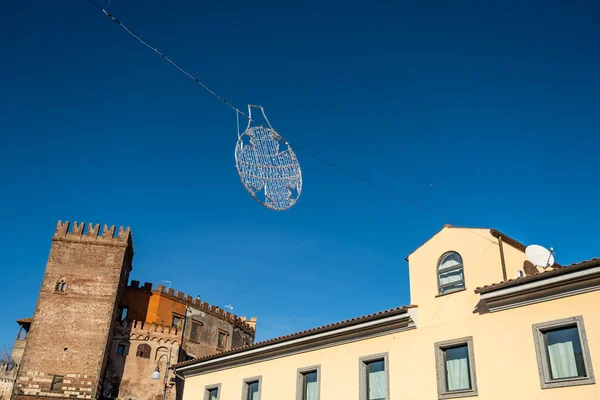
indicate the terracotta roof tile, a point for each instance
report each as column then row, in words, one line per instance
column 309, row 332
column 25, row 320
column 543, row 275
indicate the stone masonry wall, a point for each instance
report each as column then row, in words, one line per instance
column 128, row 375
column 70, row 331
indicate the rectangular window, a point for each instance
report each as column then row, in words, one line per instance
column 221, row 340
column 374, row 379
column 121, row 349
column 565, row 356
column 195, row 331
column 251, row 388
column 177, row 321
column 212, row 392
column 562, row 353
column 455, row 367
column 124, row 312
column 308, row 385
column 57, row 382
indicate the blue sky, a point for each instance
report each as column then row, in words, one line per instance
column 485, row 112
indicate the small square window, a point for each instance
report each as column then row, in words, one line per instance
column 221, row 340
column 212, row 392
column 455, row 368
column 308, row 385
column 251, row 388
column 562, row 353
column 374, row 377
column 195, row 331
column 177, row 321
column 57, row 382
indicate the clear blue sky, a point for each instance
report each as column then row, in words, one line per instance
column 495, row 104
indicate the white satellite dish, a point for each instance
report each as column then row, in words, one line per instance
column 540, row 256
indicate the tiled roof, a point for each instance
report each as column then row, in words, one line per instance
column 544, row 275
column 24, row 320
column 297, row 335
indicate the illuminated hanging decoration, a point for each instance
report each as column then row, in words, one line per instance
column 267, row 165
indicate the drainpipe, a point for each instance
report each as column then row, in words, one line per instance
column 502, row 258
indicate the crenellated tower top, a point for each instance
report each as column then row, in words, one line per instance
column 246, row 325
column 79, row 233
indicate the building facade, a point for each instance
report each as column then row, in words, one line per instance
column 534, row 335
column 94, row 336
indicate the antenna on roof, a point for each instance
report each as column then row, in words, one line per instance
column 169, row 282
column 230, row 307
column 540, row 256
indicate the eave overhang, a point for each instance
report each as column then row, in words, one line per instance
column 537, row 291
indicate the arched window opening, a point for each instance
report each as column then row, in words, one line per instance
column 450, row 273
column 61, row 285
column 143, row 351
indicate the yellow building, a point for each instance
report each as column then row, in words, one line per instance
column 532, row 337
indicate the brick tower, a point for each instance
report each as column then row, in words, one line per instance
column 67, row 347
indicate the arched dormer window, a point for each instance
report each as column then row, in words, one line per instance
column 61, row 285
column 450, row 273
column 143, row 351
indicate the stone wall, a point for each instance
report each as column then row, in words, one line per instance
column 71, row 326
column 8, row 373
column 129, row 375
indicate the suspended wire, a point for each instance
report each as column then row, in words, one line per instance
column 173, row 63
column 249, row 118
column 368, row 182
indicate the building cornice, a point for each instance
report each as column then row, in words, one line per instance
column 537, row 291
